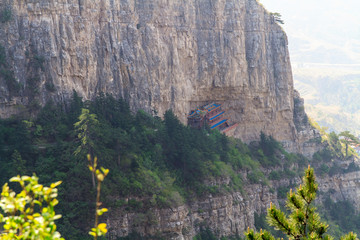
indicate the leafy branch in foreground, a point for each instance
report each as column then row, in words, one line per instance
column 99, row 228
column 86, row 128
column 29, row 214
column 303, row 222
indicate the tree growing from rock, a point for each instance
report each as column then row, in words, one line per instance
column 277, row 17
column 347, row 139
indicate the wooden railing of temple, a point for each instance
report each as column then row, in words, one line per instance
column 211, row 114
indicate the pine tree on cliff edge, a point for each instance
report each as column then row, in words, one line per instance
column 303, row 222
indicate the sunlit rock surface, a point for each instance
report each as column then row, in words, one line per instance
column 157, row 55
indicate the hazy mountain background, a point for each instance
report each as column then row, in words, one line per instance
column 324, row 45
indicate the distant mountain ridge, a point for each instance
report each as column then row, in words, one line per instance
column 325, row 32
column 332, row 96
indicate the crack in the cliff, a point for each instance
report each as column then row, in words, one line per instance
column 110, row 38
column 182, row 27
column 342, row 194
column 80, row 7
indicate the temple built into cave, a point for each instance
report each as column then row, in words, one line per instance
column 211, row 114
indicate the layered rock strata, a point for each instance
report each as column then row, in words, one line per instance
column 224, row 215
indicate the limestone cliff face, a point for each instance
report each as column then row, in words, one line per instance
column 343, row 187
column 308, row 139
column 157, row 54
column 225, row 215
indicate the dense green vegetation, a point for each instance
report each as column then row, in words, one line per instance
column 335, row 158
column 341, row 216
column 152, row 161
column 336, row 150
column 302, row 221
column 161, row 162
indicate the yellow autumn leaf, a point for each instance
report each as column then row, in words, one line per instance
column 100, row 177
column 102, row 227
column 53, row 185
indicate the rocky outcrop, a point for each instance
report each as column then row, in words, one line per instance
column 157, row 55
column 342, row 187
column 308, row 139
column 225, row 215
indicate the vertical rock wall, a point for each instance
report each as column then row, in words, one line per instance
column 224, row 215
column 157, row 54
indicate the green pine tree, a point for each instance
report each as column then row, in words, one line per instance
column 87, row 128
column 277, row 17
column 347, row 139
column 303, row 222
column 18, row 163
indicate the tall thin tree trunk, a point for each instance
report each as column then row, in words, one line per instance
column 93, row 179
column 346, row 150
